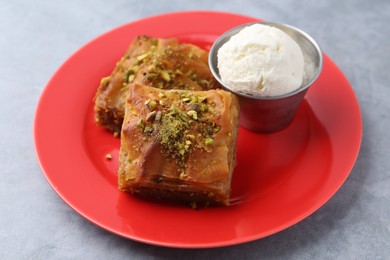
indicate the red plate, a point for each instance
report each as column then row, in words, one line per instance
column 279, row 180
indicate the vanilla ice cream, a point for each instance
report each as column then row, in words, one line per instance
column 261, row 60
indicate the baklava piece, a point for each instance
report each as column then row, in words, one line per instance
column 179, row 145
column 159, row 63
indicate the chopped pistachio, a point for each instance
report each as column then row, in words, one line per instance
column 127, row 75
column 151, row 116
column 203, row 107
column 142, row 56
column 165, row 75
column 151, row 76
column 104, row 81
column 187, row 145
column 173, row 110
column 181, row 122
column 135, row 68
column 201, row 99
column 131, row 78
column 148, row 130
column 141, row 123
column 193, row 114
column 183, row 117
column 157, row 118
column 150, row 104
column 209, row 141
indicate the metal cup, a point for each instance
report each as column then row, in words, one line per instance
column 267, row 114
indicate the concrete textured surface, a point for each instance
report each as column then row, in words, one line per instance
column 38, row 36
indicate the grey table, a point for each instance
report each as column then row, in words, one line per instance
column 37, row 36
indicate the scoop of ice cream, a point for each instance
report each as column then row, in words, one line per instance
column 261, row 60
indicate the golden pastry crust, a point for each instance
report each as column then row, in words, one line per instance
column 160, row 63
column 178, row 144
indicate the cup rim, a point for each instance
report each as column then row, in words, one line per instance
column 213, row 52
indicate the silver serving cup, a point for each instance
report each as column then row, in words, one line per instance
column 267, row 114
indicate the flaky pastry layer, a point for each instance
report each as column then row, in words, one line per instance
column 160, row 63
column 179, row 144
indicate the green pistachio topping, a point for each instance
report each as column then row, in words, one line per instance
column 181, row 121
